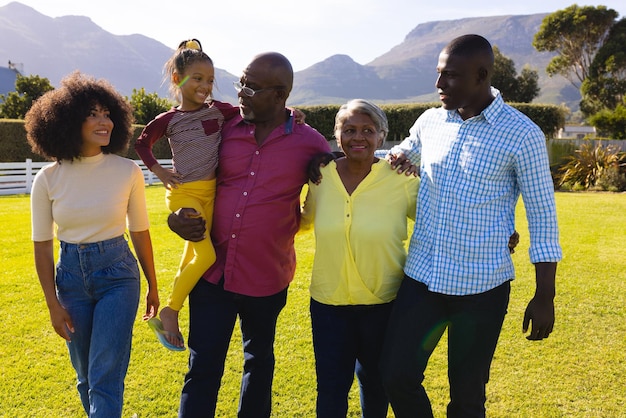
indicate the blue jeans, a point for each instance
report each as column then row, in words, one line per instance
column 98, row 285
column 418, row 320
column 212, row 315
column 349, row 340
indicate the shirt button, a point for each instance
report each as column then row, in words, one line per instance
column 252, row 173
column 245, row 193
column 237, row 215
column 233, row 236
column 257, row 152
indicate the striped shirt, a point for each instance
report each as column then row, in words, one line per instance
column 194, row 138
column 473, row 173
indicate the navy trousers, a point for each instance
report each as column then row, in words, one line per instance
column 418, row 320
column 212, row 315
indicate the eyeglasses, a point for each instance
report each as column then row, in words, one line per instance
column 250, row 91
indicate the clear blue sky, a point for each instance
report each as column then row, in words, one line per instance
column 307, row 32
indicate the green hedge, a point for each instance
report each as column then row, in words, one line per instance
column 13, row 145
column 550, row 118
column 401, row 117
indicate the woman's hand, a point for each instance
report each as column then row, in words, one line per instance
column 61, row 321
column 152, row 304
column 513, row 241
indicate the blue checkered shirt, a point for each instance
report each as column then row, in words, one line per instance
column 473, row 172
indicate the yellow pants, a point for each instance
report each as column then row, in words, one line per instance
column 197, row 256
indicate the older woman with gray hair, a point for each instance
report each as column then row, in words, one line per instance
column 359, row 213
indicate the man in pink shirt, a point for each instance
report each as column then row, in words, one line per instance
column 262, row 167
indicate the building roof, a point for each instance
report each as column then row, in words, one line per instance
column 579, row 128
column 7, row 79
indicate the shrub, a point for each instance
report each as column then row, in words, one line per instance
column 594, row 168
column 612, row 180
column 611, row 122
column 402, row 116
column 14, row 147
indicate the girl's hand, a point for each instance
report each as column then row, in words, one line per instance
column 168, row 177
column 299, row 115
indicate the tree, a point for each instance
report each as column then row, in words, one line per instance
column 528, row 85
column 513, row 88
column 605, row 87
column 611, row 123
column 147, row 106
column 27, row 89
column 575, row 33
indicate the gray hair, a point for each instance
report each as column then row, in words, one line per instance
column 364, row 107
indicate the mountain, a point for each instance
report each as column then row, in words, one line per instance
column 407, row 72
column 407, row 63
column 54, row 47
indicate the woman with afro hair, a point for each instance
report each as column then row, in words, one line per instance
column 89, row 197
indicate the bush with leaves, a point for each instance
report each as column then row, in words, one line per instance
column 147, row 106
column 27, row 89
column 611, row 123
column 594, row 167
column 612, row 179
column 513, row 88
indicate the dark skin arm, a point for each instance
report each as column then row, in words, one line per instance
column 188, row 224
column 513, row 241
column 320, row 161
column 540, row 309
column 399, row 163
column 402, row 164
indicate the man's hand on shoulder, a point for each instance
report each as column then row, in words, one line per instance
column 402, row 164
column 319, row 161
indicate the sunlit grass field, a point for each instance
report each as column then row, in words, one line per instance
column 580, row 371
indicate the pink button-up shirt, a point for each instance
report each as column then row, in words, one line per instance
column 257, row 205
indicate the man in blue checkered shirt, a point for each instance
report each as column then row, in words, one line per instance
column 476, row 155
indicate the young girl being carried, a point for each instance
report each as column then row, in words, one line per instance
column 193, row 129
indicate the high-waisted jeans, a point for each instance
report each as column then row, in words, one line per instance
column 98, row 285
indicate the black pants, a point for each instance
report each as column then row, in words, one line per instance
column 212, row 315
column 418, row 320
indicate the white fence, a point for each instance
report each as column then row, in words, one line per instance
column 17, row 178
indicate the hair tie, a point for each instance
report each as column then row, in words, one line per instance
column 193, row 44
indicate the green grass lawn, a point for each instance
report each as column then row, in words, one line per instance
column 580, row 371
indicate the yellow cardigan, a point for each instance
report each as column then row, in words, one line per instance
column 360, row 238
